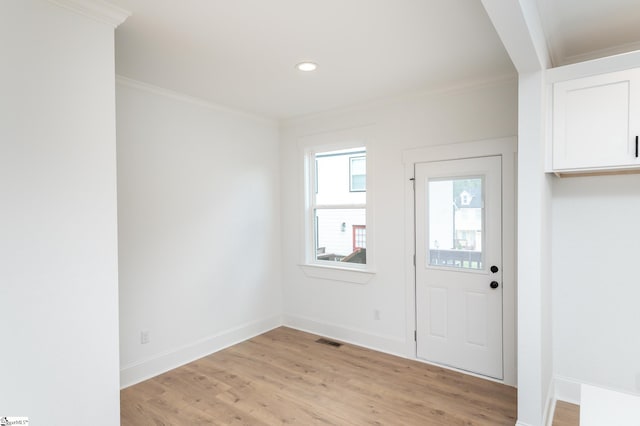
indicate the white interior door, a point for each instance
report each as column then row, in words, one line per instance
column 459, row 264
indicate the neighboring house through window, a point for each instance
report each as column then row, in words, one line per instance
column 358, row 173
column 337, row 207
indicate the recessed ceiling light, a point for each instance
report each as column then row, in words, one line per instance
column 307, row 66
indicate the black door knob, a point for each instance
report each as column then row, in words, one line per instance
column 494, row 269
column 494, row 284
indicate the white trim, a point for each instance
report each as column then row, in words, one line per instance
column 609, row 64
column 550, row 412
column 547, row 101
column 519, row 27
column 171, row 94
column 97, row 10
column 601, row 53
column 334, row 273
column 409, row 265
column 335, row 140
column 137, row 372
column 338, row 140
column 567, row 389
column 340, row 206
column 507, row 148
column 380, row 343
column 550, row 405
column 459, row 87
column 560, row 389
column 519, row 423
column 509, row 264
column 453, row 151
column 377, row 342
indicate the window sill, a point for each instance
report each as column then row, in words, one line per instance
column 334, row 273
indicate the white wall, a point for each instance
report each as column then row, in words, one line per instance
column 596, row 289
column 199, row 234
column 58, row 230
column 346, row 310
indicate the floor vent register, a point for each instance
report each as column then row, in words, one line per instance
column 329, row 342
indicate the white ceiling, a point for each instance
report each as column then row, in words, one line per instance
column 242, row 53
column 579, row 30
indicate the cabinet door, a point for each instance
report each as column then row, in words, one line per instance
column 595, row 121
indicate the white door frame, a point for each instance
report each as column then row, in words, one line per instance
column 507, row 148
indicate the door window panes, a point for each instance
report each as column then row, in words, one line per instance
column 456, row 221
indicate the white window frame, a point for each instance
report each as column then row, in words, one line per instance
column 347, row 272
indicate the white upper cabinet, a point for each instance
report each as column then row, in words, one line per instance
column 596, row 122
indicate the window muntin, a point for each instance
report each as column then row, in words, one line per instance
column 338, row 214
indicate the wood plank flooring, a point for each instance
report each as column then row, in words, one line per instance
column 285, row 377
column 566, row 414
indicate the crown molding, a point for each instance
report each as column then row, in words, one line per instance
column 462, row 86
column 204, row 103
column 98, row 10
column 601, row 53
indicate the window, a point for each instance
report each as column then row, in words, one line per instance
column 358, row 174
column 456, row 222
column 359, row 237
column 337, row 208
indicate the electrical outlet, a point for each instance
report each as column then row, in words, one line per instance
column 144, row 337
column 376, row 314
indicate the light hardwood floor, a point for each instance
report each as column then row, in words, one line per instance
column 566, row 414
column 284, row 376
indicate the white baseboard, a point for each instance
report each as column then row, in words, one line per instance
column 385, row 344
column 550, row 404
column 139, row 371
column 550, row 413
column 567, row 389
column 380, row 343
column 519, row 423
column 560, row 389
